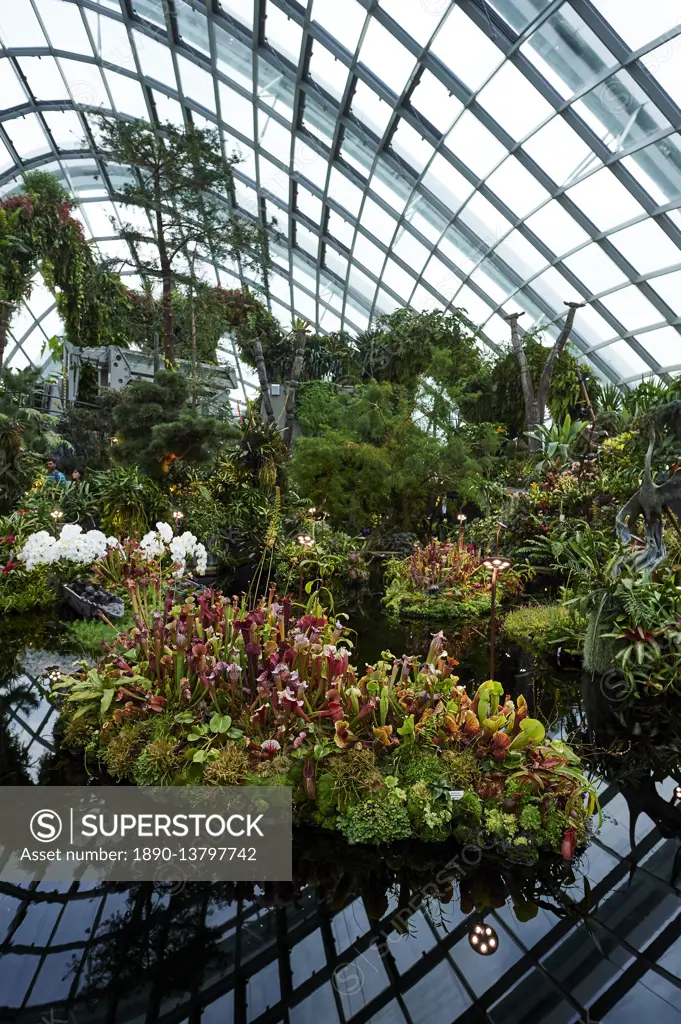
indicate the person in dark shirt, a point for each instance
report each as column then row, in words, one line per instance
column 54, row 474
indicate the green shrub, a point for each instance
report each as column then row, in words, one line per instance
column 541, row 627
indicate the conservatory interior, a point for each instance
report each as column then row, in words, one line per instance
column 340, row 451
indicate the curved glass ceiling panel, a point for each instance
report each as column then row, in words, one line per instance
column 504, row 155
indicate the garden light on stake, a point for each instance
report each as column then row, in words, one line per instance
column 57, row 514
column 483, row 939
column 462, row 519
column 305, row 540
column 494, row 565
column 177, row 517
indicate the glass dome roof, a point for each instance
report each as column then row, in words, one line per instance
column 490, row 154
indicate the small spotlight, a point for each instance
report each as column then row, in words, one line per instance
column 177, row 515
column 677, row 793
column 311, row 511
column 57, row 514
column 483, row 939
column 461, row 517
column 305, row 540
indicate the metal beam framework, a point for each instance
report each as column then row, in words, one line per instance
column 391, row 174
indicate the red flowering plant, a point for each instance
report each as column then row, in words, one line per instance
column 207, row 690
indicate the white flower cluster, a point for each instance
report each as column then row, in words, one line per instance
column 72, row 545
column 158, row 542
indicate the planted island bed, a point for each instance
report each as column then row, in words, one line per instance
column 443, row 581
column 209, row 692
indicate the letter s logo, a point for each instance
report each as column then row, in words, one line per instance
column 46, row 826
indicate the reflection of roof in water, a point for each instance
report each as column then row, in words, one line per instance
column 264, row 957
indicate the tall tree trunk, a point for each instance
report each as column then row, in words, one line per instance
column 296, row 370
column 4, row 325
column 535, row 404
column 192, row 323
column 167, row 279
column 532, row 418
column 263, row 381
column 554, row 355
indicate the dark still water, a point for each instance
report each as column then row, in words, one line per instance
column 359, row 935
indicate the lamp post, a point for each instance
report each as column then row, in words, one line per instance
column 494, row 565
column 57, row 514
column 462, row 519
column 177, row 516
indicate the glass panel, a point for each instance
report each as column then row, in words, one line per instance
column 410, row 250
column 444, row 280
column 197, row 84
column 273, row 179
column 515, row 104
column 340, row 229
column 370, row 109
column 520, row 255
column 274, row 90
column 308, row 162
column 517, row 15
column 242, row 10
column 620, row 112
column 11, row 89
column 435, row 102
column 604, row 200
column 274, row 137
column 167, row 109
column 419, row 20
column 155, row 59
column 359, row 282
column 484, row 219
column 475, row 145
column 664, row 345
column 516, row 187
column 386, row 57
column 493, row 282
column 319, row 120
column 408, row 144
column 476, row 54
column 152, row 10
column 647, row 247
column 477, row 310
column 658, row 169
column 283, row 34
column 328, row 71
column 559, row 151
column 19, row 26
column 335, row 262
column 625, row 17
column 344, row 192
column 27, row 136
column 85, row 83
column 43, row 77
column 631, row 308
column 309, row 205
column 127, row 94
column 596, row 270
column 663, row 64
column 669, row 287
column 343, row 21
column 557, row 228
column 399, row 280
column 380, row 223
column 65, row 128
column 368, row 254
column 447, row 183
column 390, row 186
column 233, row 58
column 64, row 26
column 358, row 153
column 567, row 52
column 624, row 360
column 425, row 218
column 236, row 111
column 192, row 26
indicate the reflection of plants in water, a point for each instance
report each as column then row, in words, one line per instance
column 14, row 759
